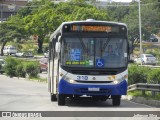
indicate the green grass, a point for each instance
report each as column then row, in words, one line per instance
column 38, row 79
column 148, row 94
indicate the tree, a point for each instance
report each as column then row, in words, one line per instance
column 47, row 17
column 118, row 11
column 129, row 14
column 41, row 22
column 83, row 14
column 11, row 30
column 80, row 11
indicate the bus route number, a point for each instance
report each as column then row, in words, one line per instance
column 82, row 77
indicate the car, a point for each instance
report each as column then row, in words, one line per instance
column 24, row 54
column 43, row 64
column 146, row 59
column 9, row 50
column 2, row 64
column 19, row 54
column 28, row 54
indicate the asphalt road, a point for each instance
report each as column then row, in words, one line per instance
column 24, row 95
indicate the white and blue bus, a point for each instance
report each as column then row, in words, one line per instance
column 88, row 58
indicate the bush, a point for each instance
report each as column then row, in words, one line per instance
column 137, row 74
column 10, row 67
column 20, row 71
column 21, row 68
column 32, row 69
column 154, row 76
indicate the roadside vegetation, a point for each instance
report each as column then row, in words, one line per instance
column 21, row 68
column 143, row 74
column 139, row 74
column 148, row 95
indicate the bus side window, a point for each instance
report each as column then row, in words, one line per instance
column 55, row 54
column 50, row 57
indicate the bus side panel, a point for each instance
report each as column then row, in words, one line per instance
column 55, row 72
column 50, row 76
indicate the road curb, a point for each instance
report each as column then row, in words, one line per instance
column 142, row 100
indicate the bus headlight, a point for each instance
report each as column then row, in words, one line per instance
column 71, row 81
column 68, row 79
column 115, row 82
column 118, row 80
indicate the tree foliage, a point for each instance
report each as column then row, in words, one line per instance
column 129, row 14
column 48, row 16
column 11, row 30
column 42, row 17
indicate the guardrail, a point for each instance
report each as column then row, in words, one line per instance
column 151, row 66
column 145, row 87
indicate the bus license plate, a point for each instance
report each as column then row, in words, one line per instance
column 93, row 89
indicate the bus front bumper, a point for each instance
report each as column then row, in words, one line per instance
column 92, row 89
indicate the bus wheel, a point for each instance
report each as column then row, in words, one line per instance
column 76, row 96
column 53, row 97
column 61, row 99
column 103, row 99
column 116, row 100
column 95, row 99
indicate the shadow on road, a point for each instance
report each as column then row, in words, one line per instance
column 87, row 102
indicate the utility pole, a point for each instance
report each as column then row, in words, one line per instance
column 15, row 7
column 140, row 37
column 2, row 11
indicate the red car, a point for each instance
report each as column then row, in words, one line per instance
column 43, row 64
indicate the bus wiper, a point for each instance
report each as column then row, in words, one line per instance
column 83, row 46
column 105, row 45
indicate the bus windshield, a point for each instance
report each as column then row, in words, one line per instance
column 94, row 52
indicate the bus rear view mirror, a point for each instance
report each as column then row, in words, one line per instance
column 58, row 47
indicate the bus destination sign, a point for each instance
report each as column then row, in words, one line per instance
column 90, row 28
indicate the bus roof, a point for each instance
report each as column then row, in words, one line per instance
column 92, row 21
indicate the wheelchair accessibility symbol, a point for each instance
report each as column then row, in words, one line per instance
column 100, row 63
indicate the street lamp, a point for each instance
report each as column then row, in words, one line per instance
column 140, row 37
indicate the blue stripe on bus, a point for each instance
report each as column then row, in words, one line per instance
column 82, row 89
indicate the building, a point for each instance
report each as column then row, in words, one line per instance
column 10, row 7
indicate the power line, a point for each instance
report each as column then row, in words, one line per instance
column 127, row 5
column 19, row 5
column 115, row 5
